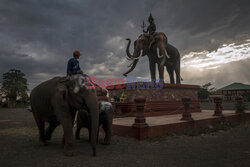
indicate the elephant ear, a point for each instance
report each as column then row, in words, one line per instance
column 62, row 91
column 68, row 82
column 76, row 82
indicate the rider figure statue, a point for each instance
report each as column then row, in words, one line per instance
column 152, row 27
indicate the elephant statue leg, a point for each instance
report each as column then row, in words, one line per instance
column 161, row 73
column 177, row 73
column 171, row 74
column 50, row 129
column 152, row 70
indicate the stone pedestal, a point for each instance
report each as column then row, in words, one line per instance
column 218, row 107
column 186, row 114
column 161, row 100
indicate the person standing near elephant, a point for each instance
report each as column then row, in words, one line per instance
column 73, row 66
column 152, row 27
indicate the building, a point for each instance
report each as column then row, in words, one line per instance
column 233, row 90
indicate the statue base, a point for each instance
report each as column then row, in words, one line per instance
column 164, row 99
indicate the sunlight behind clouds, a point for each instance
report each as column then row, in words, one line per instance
column 212, row 60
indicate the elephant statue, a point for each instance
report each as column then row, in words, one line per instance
column 154, row 46
column 56, row 101
column 159, row 51
column 105, row 120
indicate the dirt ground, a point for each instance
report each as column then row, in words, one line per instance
column 19, row 147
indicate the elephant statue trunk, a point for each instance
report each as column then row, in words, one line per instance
column 133, row 65
column 129, row 56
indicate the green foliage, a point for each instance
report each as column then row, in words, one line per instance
column 240, row 107
column 205, row 90
column 14, row 85
column 246, row 96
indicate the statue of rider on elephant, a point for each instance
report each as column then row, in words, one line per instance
column 155, row 45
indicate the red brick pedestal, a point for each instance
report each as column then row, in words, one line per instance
column 218, row 107
column 186, row 114
column 140, row 126
column 160, row 101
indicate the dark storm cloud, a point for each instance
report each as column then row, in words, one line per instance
column 39, row 36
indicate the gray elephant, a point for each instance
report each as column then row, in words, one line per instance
column 55, row 101
column 105, row 120
column 159, row 51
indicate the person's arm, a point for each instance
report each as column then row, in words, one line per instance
column 145, row 31
column 69, row 67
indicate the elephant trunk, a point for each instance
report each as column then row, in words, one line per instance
column 132, row 67
column 129, row 56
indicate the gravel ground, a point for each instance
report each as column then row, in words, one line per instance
column 19, row 147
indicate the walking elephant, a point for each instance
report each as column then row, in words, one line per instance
column 158, row 51
column 55, row 101
column 105, row 120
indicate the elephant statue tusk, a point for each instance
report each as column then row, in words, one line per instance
column 139, row 56
column 167, row 54
column 129, row 58
column 158, row 53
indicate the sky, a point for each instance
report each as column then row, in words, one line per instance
column 38, row 37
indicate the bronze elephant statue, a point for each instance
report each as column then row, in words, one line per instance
column 56, row 101
column 105, row 121
column 159, row 52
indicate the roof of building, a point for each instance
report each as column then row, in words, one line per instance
column 236, row 86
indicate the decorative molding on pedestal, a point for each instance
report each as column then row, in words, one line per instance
column 218, row 107
column 186, row 114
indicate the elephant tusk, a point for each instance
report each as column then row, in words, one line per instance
column 158, row 53
column 167, row 54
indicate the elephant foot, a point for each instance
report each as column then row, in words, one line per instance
column 48, row 137
column 107, row 141
column 70, row 153
column 43, row 143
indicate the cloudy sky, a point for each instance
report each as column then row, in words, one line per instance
column 38, row 37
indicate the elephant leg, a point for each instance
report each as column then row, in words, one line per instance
column 66, row 121
column 50, row 129
column 41, row 126
column 107, row 127
column 152, row 70
column 78, row 129
column 171, row 74
column 89, row 129
column 161, row 73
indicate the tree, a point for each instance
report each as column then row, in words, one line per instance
column 14, row 85
column 204, row 91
